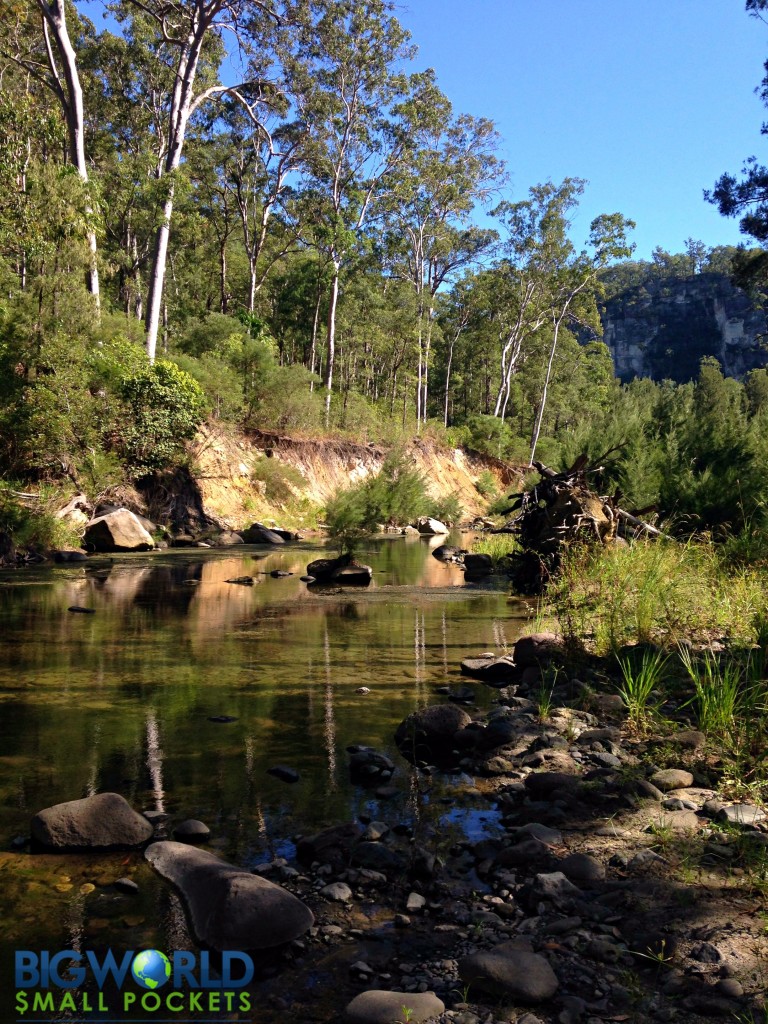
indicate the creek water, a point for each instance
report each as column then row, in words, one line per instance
column 125, row 699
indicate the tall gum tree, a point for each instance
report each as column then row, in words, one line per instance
column 50, row 57
column 187, row 28
column 343, row 79
column 450, row 168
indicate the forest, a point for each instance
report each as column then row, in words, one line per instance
column 269, row 215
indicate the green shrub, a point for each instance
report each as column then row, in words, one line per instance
column 486, row 484
column 448, row 509
column 167, row 407
column 280, row 481
column 396, row 495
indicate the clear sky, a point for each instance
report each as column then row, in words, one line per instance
column 650, row 101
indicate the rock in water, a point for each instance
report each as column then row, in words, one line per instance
column 230, row 908
column 430, row 733
column 96, row 822
column 430, row 527
column 257, row 533
column 343, row 569
column 117, row 531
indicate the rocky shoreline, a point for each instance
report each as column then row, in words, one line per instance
column 613, row 885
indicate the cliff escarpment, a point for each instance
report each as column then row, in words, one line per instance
column 662, row 328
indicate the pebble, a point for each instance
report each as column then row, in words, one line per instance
column 337, row 892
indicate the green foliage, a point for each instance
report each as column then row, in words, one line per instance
column 395, row 496
column 448, row 509
column 166, row 407
column 498, row 545
column 32, row 524
column 486, row 484
column 280, row 480
column 640, row 682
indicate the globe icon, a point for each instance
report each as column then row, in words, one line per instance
column 151, row 968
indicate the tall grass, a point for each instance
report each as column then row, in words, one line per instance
column 640, row 682
column 497, row 545
column 660, row 592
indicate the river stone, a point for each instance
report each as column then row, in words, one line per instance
column 580, row 867
column 429, row 734
column 741, row 814
column 332, row 846
column 430, row 527
column 229, row 908
column 478, row 564
column 343, row 569
column 491, row 669
column 445, row 553
column 379, row 1007
column 229, row 539
column 507, row 970
column 284, row 773
column 257, row 533
column 96, row 822
column 117, row 531
column 542, row 785
column 191, row 831
column 337, row 892
column 533, row 650
column 671, row 778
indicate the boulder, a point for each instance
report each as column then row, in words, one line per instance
column 669, row 779
column 117, row 531
column 478, row 565
column 509, row 971
column 344, row 570
column 446, row 553
column 430, row 733
column 229, row 908
column 369, row 767
column 257, row 533
column 377, row 1006
column 332, row 846
column 493, row 671
column 430, row 527
column 229, row 539
column 538, row 649
column 94, row 823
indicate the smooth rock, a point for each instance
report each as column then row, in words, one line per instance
column 580, row 867
column 337, row 892
column 377, row 1006
column 96, row 822
column 741, row 814
column 117, row 531
column 431, row 527
column 332, row 846
column 229, row 908
column 537, row 649
column 257, row 533
column 191, row 831
column 671, row 778
column 429, row 734
column 507, row 970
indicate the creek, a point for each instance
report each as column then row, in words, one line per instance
column 126, row 698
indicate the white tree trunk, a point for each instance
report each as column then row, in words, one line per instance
column 331, row 350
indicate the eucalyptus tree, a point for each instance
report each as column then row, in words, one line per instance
column 190, row 39
column 450, row 168
column 343, row 72
column 46, row 52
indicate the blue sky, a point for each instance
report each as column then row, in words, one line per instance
column 649, row 101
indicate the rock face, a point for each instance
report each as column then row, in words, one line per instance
column 230, row 908
column 96, row 823
column 662, row 327
column 117, row 531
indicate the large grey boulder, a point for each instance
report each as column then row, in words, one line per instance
column 377, row 1006
column 257, row 533
column 120, row 530
column 229, row 908
column 538, row 649
column 507, row 970
column 96, row 822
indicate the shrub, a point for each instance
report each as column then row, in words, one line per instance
column 448, row 509
column 167, row 407
column 280, row 481
column 486, row 484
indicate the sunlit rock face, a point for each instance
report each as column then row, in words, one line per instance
column 663, row 328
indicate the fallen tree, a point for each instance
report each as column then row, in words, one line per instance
column 562, row 509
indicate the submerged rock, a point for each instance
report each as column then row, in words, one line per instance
column 96, row 822
column 430, row 733
column 230, row 908
column 344, row 570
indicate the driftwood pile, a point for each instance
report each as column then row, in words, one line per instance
column 561, row 509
